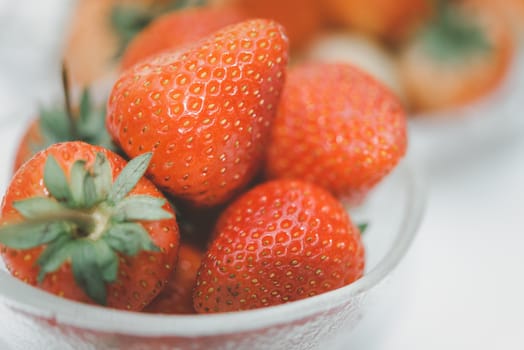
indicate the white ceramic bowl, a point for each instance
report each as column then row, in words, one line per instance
column 32, row 319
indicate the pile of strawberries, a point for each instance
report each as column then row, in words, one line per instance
column 217, row 179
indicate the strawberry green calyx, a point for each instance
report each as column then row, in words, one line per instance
column 88, row 221
column 453, row 34
column 89, row 126
column 363, row 227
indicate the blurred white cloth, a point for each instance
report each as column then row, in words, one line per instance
column 32, row 35
column 461, row 286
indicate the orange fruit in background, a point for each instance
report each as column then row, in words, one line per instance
column 176, row 29
column 92, row 45
column 301, row 18
column 513, row 10
column 458, row 74
column 390, row 19
column 364, row 51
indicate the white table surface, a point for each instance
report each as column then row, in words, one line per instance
column 461, row 286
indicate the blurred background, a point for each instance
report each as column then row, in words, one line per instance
column 458, row 67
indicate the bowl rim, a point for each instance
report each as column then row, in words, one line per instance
column 37, row 303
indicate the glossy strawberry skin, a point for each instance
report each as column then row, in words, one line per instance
column 205, row 113
column 177, row 29
column 140, row 278
column 177, row 296
column 336, row 127
column 282, row 241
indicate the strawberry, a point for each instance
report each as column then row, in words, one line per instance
column 283, row 240
column 465, row 52
column 58, row 125
column 177, row 29
column 80, row 223
column 204, row 112
column 338, row 127
column 177, row 295
column 392, row 20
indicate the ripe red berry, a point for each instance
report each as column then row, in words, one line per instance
column 79, row 222
column 281, row 241
column 204, row 112
column 177, row 295
column 336, row 127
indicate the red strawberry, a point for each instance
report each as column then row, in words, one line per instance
column 177, row 296
column 205, row 112
column 177, row 29
column 282, row 241
column 57, row 125
column 80, row 223
column 337, row 127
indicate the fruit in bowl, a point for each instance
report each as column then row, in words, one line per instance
column 177, row 296
column 78, row 222
column 282, row 241
column 393, row 209
column 338, row 127
column 198, row 123
column 205, row 113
